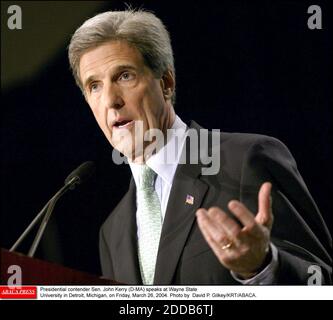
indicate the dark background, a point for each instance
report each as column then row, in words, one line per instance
column 242, row 66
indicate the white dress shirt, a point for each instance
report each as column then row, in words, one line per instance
column 165, row 171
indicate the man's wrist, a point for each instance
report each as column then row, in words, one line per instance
column 266, row 262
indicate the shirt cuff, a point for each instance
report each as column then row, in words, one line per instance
column 266, row 276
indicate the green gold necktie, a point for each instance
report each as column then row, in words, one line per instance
column 149, row 210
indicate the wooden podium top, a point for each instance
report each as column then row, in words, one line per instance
column 39, row 272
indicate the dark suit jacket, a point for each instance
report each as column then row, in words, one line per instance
column 184, row 257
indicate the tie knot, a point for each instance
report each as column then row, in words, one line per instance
column 147, row 177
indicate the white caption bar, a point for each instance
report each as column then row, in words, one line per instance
column 185, row 292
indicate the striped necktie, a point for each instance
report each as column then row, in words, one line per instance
column 149, row 210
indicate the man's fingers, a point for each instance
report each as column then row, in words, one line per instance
column 202, row 219
column 216, row 234
column 242, row 213
column 224, row 222
column 265, row 214
column 212, row 231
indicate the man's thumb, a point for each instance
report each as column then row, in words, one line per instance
column 265, row 214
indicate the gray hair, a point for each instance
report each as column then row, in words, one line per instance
column 139, row 28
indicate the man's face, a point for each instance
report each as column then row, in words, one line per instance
column 120, row 89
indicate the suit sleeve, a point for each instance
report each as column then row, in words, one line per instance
column 105, row 257
column 299, row 231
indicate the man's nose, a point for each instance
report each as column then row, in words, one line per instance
column 112, row 97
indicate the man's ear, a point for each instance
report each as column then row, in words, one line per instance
column 168, row 84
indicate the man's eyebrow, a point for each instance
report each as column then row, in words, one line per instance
column 88, row 80
column 116, row 70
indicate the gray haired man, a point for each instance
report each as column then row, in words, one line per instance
column 176, row 225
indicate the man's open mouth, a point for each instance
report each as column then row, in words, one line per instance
column 123, row 124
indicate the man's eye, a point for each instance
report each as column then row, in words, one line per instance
column 126, row 76
column 94, row 87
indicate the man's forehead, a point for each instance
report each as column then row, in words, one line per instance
column 111, row 55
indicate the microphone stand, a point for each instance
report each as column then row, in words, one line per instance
column 28, row 229
column 46, row 211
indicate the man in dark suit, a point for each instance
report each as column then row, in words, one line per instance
column 251, row 221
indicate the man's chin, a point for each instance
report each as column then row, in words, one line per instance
column 129, row 153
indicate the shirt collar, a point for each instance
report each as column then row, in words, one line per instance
column 165, row 161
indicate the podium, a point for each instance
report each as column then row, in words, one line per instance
column 39, row 272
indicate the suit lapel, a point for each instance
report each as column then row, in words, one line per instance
column 179, row 219
column 126, row 256
column 177, row 224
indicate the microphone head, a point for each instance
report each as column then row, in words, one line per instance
column 81, row 173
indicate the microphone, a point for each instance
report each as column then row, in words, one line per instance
column 80, row 174
column 76, row 177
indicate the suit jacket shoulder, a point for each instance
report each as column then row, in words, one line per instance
column 246, row 161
